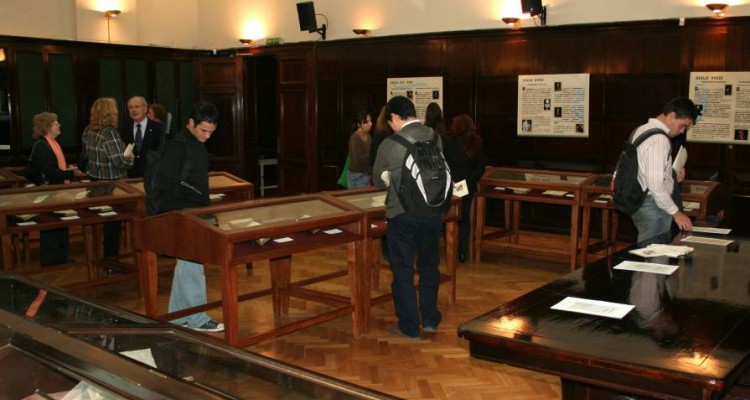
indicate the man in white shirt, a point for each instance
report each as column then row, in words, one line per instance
column 655, row 170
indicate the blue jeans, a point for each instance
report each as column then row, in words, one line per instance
column 650, row 220
column 357, row 179
column 406, row 235
column 188, row 290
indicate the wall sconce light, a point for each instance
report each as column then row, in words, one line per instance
column 109, row 14
column 247, row 42
column 717, row 8
column 363, row 32
column 513, row 22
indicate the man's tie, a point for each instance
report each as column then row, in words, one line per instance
column 138, row 137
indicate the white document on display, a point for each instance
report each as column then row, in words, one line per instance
column 706, row 229
column 647, row 267
column 593, row 307
column 705, row 240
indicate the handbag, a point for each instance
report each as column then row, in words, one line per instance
column 32, row 173
column 344, row 178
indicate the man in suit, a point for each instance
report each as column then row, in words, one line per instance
column 144, row 133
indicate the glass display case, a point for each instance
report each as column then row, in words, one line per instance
column 222, row 187
column 270, row 229
column 9, row 177
column 23, row 210
column 372, row 201
column 516, row 186
column 55, row 344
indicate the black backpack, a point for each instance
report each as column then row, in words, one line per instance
column 152, row 176
column 627, row 194
column 426, row 187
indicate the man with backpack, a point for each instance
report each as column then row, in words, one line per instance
column 414, row 212
column 655, row 176
column 177, row 178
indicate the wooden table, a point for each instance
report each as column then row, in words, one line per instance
column 372, row 202
column 686, row 338
column 273, row 229
column 37, row 208
column 222, row 187
column 517, row 186
column 699, row 198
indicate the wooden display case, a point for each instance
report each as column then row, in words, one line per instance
column 372, row 201
column 9, row 177
column 516, row 186
column 223, row 187
column 37, row 208
column 53, row 343
column 685, row 336
column 269, row 229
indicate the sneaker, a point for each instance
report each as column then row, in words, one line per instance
column 210, row 326
column 429, row 329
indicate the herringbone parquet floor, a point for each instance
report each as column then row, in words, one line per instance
column 437, row 366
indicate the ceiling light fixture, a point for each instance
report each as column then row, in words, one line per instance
column 247, row 42
column 362, row 32
column 717, row 8
column 513, row 22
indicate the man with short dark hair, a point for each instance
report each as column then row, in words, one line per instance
column 142, row 132
column 655, row 174
column 178, row 190
column 408, row 233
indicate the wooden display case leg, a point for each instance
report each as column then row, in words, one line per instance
column 574, row 224
column 89, row 241
column 148, row 275
column 451, row 245
column 359, row 266
column 376, row 248
column 481, row 202
column 7, row 256
column 280, row 279
column 230, row 303
column 585, row 235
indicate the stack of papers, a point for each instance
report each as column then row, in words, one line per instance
column 656, row 250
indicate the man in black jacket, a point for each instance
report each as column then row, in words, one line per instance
column 184, row 184
column 142, row 132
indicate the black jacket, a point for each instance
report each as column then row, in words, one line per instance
column 151, row 138
column 462, row 166
column 43, row 159
column 184, row 156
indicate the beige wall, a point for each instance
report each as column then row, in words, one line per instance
column 214, row 24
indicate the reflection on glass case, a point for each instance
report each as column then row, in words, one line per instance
column 54, row 344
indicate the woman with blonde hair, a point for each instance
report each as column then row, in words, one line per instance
column 105, row 158
column 47, row 161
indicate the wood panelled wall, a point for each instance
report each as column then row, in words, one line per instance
column 635, row 69
column 66, row 77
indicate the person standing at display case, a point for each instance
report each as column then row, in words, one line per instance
column 655, row 174
column 183, row 183
column 359, row 151
column 462, row 147
column 48, row 161
column 408, row 233
column 105, row 158
column 144, row 133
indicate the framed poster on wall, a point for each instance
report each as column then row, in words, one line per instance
column 553, row 105
column 723, row 99
column 420, row 90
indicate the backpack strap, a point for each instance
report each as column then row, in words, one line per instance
column 408, row 141
column 645, row 135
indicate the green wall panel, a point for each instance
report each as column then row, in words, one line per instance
column 30, row 92
column 63, row 97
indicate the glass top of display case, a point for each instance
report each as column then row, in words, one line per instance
column 366, row 201
column 271, row 214
column 58, row 194
column 117, row 343
column 536, row 176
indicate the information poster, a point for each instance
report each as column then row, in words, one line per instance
column 420, row 90
column 553, row 105
column 723, row 99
